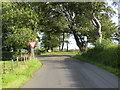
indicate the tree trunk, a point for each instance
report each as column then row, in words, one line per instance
column 63, row 41
column 98, row 25
column 48, row 48
column 52, row 49
column 59, row 47
column 86, row 46
column 67, row 46
column 59, row 43
column 77, row 41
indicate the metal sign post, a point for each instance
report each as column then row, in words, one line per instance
column 32, row 52
column 32, row 45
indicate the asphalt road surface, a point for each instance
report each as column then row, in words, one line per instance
column 61, row 71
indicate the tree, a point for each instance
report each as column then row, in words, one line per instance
column 82, row 19
column 54, row 25
column 94, row 11
column 19, row 25
column 90, row 12
column 50, row 41
column 72, row 15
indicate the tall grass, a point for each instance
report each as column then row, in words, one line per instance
column 20, row 74
column 105, row 53
column 108, row 56
column 0, row 75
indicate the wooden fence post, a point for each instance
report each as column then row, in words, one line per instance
column 21, row 57
column 24, row 58
column 12, row 65
column 17, row 61
column 4, row 68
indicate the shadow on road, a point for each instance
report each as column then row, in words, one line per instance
column 79, row 73
column 61, row 71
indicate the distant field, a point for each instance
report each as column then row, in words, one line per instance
column 58, row 53
column 0, row 75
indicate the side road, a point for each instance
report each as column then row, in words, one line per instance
column 61, row 71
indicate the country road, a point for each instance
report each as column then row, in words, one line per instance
column 61, row 71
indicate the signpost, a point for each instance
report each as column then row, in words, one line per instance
column 32, row 45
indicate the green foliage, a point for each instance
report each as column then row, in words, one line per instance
column 103, row 45
column 106, row 53
column 19, row 26
column 37, row 51
column 20, row 37
column 23, row 20
column 50, row 40
column 9, row 55
column 109, row 29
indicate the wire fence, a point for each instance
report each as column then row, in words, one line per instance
column 10, row 65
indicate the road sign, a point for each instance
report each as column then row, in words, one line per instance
column 32, row 44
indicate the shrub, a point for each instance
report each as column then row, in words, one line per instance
column 8, row 55
column 105, row 53
column 103, row 45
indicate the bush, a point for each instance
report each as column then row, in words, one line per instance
column 103, row 45
column 105, row 53
column 37, row 51
column 6, row 55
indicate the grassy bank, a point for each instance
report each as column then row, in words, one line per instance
column 58, row 53
column 108, row 56
column 101, row 64
column 0, row 75
column 21, row 74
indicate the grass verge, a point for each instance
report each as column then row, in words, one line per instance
column 108, row 68
column 58, row 53
column 21, row 74
column 0, row 76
